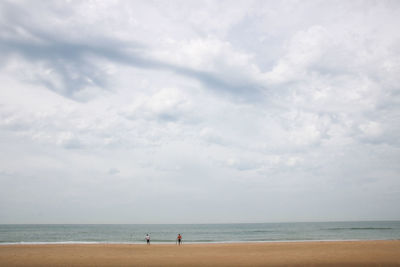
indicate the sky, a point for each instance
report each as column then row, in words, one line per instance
column 199, row 111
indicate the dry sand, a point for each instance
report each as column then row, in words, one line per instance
column 349, row 253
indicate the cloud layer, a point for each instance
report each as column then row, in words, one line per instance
column 134, row 112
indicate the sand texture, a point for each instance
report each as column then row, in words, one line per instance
column 349, row 253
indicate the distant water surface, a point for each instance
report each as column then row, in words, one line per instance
column 199, row 233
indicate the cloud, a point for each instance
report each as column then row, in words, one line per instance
column 67, row 65
column 257, row 101
column 167, row 104
column 69, row 141
column 113, row 171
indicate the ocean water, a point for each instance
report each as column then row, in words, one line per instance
column 199, row 233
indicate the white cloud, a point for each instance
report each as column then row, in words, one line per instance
column 254, row 101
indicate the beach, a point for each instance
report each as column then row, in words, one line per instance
column 323, row 253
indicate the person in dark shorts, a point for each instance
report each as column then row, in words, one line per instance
column 147, row 239
column 179, row 239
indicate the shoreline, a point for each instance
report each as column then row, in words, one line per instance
column 187, row 243
column 316, row 253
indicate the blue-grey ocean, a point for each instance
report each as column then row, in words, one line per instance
column 199, row 233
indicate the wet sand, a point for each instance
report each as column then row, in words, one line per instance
column 348, row 253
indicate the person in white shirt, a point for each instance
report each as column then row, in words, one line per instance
column 147, row 239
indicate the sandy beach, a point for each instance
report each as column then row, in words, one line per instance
column 349, row 253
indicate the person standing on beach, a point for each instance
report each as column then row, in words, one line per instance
column 179, row 239
column 147, row 239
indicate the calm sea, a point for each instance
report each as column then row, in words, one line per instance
column 199, row 233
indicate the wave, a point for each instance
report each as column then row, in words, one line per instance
column 359, row 228
column 188, row 242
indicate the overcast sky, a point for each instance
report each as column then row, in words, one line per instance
column 199, row 111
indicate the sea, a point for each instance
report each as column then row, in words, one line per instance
column 197, row 233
